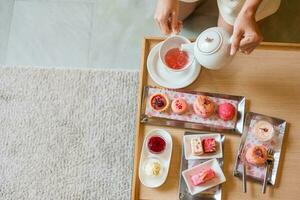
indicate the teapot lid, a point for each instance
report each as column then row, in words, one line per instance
column 209, row 41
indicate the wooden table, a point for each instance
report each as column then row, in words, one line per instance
column 269, row 78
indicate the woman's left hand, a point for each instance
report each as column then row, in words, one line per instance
column 246, row 34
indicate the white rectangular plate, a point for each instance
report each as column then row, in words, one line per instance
column 188, row 151
column 214, row 165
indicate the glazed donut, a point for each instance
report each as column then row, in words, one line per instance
column 203, row 106
column 256, row 155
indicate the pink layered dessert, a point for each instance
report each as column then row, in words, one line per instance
column 203, row 176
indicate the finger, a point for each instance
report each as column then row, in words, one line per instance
column 174, row 23
column 248, row 50
column 248, row 46
column 162, row 23
column 179, row 27
column 251, row 39
column 246, row 41
column 157, row 22
column 237, row 36
column 164, row 26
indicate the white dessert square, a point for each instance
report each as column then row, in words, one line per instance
column 196, row 146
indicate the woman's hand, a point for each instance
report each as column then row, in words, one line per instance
column 166, row 16
column 246, row 34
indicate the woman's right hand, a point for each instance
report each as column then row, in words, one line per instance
column 166, row 16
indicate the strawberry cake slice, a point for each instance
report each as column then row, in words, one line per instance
column 209, row 145
column 203, row 177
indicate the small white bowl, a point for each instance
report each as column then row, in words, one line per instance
column 188, row 150
column 212, row 164
column 164, row 158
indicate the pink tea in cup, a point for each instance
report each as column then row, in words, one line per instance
column 176, row 58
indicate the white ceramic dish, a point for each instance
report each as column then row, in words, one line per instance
column 214, row 165
column 212, row 48
column 188, row 151
column 164, row 158
column 167, row 78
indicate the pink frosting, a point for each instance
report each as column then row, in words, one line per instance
column 202, row 177
column 179, row 106
column 226, row 111
column 256, row 155
column 203, row 106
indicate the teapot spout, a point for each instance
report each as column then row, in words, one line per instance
column 187, row 47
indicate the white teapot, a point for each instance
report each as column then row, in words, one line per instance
column 212, row 48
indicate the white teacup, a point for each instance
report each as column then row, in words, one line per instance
column 171, row 42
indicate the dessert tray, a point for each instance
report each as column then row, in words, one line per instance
column 214, row 193
column 272, row 139
column 244, row 75
column 190, row 120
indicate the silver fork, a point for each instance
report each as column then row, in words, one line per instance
column 269, row 162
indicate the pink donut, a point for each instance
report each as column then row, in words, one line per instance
column 179, row 106
column 203, row 106
column 256, row 155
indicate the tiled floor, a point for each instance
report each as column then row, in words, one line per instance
column 50, row 33
column 105, row 33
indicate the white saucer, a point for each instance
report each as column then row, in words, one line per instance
column 168, row 79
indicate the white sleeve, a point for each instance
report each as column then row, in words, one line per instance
column 229, row 9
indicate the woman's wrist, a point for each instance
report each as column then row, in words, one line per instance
column 250, row 7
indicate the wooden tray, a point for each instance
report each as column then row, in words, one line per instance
column 270, row 79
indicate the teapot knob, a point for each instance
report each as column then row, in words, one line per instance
column 208, row 39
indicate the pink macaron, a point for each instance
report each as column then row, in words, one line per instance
column 179, row 106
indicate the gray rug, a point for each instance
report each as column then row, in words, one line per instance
column 66, row 134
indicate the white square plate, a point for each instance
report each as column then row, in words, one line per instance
column 188, row 150
column 214, row 165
